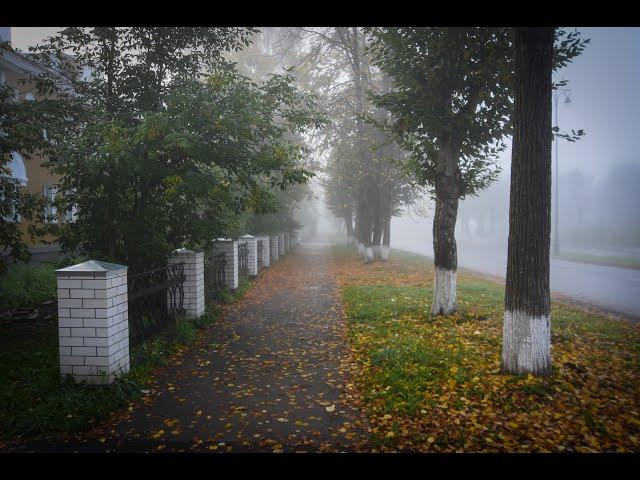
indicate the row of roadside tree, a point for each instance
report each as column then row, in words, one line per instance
column 439, row 105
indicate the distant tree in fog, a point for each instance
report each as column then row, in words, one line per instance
column 618, row 206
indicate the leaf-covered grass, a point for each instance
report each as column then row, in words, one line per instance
column 27, row 285
column 34, row 401
column 434, row 383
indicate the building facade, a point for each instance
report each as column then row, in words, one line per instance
column 15, row 69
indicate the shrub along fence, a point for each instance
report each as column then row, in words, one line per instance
column 102, row 309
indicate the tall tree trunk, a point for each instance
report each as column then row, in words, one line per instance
column 367, row 230
column 526, row 345
column 386, row 240
column 444, row 223
column 348, row 221
column 378, row 223
column 360, row 223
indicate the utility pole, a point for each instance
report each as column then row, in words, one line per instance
column 556, row 234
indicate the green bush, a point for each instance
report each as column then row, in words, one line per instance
column 27, row 285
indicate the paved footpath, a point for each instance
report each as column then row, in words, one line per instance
column 270, row 376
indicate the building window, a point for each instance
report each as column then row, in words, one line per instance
column 17, row 175
column 18, row 171
column 71, row 215
column 10, row 209
column 50, row 210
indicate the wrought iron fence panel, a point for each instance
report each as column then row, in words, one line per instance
column 214, row 275
column 156, row 297
column 243, row 260
column 259, row 249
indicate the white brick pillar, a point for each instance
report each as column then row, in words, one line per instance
column 253, row 253
column 93, row 321
column 193, row 285
column 265, row 249
column 273, row 242
column 230, row 249
column 281, row 250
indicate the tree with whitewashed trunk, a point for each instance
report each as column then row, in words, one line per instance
column 526, row 346
column 526, row 330
column 450, row 110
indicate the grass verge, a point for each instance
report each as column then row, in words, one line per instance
column 25, row 285
column 605, row 260
column 434, row 383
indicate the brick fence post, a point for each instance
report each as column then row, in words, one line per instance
column 273, row 242
column 230, row 249
column 281, row 250
column 287, row 244
column 251, row 241
column 193, row 284
column 265, row 249
column 93, row 321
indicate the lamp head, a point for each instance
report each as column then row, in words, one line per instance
column 567, row 100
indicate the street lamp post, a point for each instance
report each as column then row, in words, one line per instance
column 559, row 92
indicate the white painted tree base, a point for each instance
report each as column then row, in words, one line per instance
column 444, row 292
column 361, row 249
column 384, row 253
column 526, row 343
column 376, row 251
column 368, row 254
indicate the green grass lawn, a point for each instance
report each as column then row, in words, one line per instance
column 434, row 383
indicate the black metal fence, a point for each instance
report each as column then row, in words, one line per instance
column 156, row 297
column 259, row 247
column 243, row 260
column 214, row 275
